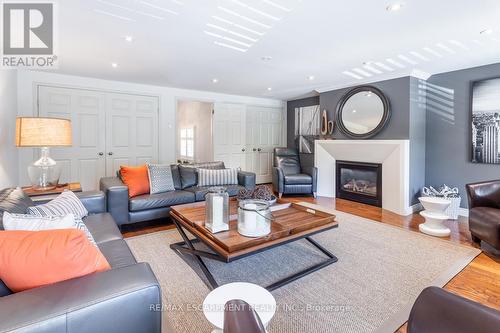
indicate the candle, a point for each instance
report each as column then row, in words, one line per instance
column 250, row 217
column 217, row 210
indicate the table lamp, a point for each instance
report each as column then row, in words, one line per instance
column 43, row 133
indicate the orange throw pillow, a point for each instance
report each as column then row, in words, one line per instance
column 30, row 259
column 136, row 178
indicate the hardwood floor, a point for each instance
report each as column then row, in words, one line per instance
column 144, row 228
column 479, row 281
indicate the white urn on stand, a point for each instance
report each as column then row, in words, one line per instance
column 434, row 215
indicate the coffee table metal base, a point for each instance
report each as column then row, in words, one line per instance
column 187, row 247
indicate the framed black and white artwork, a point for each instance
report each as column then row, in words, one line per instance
column 307, row 128
column 486, row 121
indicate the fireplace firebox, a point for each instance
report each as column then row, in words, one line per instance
column 360, row 182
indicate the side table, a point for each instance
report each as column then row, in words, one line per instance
column 47, row 195
column 259, row 298
column 434, row 215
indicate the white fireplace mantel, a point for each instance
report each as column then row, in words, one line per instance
column 394, row 155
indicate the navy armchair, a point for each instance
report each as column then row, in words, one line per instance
column 289, row 177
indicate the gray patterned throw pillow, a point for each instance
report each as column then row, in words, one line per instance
column 160, row 178
column 65, row 203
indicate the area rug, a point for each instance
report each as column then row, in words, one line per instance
column 380, row 272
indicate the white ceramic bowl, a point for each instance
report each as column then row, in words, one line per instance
column 434, row 204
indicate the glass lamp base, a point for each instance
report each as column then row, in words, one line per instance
column 44, row 173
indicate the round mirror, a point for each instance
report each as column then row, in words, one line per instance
column 362, row 112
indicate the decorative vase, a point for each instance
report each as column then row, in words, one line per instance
column 217, row 210
column 324, row 123
column 331, row 125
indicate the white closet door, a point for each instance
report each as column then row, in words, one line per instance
column 229, row 134
column 84, row 162
column 109, row 130
column 132, row 131
column 265, row 127
column 252, row 140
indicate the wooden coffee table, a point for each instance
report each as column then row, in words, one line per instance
column 292, row 222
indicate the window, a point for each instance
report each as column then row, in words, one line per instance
column 187, row 143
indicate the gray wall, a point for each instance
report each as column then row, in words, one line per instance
column 9, row 170
column 417, row 123
column 407, row 102
column 306, row 159
column 448, row 134
column 398, row 93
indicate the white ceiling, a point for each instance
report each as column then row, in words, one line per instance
column 322, row 38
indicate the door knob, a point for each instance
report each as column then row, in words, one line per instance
column 259, row 149
column 254, row 149
column 100, row 153
column 243, row 149
column 110, row 153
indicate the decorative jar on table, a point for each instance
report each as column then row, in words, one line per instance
column 217, row 209
column 254, row 218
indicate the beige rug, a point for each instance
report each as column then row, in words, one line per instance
column 380, row 272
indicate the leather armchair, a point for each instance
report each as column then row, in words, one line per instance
column 239, row 317
column 484, row 212
column 289, row 177
column 439, row 311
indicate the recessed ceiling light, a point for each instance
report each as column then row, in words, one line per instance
column 114, row 64
column 394, row 7
column 266, row 58
column 486, row 32
column 354, row 111
column 129, row 39
column 311, row 77
column 269, row 89
column 215, row 80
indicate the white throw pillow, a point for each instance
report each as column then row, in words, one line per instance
column 31, row 222
column 37, row 223
column 214, row 177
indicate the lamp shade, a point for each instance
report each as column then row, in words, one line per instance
column 43, row 132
